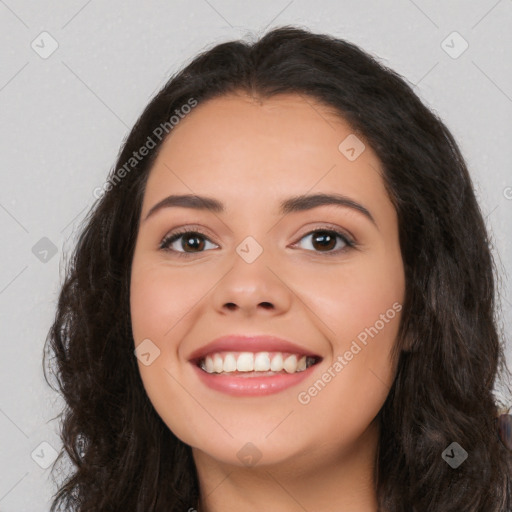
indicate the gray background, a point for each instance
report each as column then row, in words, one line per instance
column 65, row 115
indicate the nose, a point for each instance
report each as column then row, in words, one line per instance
column 253, row 288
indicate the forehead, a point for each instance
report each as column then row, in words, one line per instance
column 251, row 152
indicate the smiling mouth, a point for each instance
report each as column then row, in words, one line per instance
column 255, row 364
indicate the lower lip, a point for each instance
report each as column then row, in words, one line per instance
column 251, row 386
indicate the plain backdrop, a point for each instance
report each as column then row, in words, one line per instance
column 74, row 77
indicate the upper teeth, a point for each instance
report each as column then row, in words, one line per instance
column 259, row 362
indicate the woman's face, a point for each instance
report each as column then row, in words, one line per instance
column 257, row 270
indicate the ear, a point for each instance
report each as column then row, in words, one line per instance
column 504, row 427
column 408, row 344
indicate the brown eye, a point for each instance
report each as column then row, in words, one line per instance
column 191, row 242
column 323, row 240
column 187, row 243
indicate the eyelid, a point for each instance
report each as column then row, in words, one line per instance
column 190, row 228
column 347, row 237
column 322, row 226
column 329, row 227
column 178, row 232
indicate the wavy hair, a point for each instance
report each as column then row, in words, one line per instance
column 449, row 348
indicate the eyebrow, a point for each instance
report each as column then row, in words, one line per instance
column 290, row 205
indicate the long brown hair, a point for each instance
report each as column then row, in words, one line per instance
column 450, row 353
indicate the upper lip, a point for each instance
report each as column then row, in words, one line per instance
column 249, row 343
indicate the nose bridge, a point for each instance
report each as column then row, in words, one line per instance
column 252, row 230
column 252, row 281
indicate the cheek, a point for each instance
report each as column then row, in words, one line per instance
column 350, row 298
column 159, row 297
column 374, row 317
column 150, row 299
column 361, row 306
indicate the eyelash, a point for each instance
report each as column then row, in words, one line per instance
column 176, row 235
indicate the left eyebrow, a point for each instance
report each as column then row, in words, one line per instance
column 308, row 202
column 289, row 205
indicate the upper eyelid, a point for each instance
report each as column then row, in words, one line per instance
column 321, row 224
column 180, row 231
column 326, row 227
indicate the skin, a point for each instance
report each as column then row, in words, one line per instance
column 252, row 154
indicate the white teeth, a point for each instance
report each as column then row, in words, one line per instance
column 245, row 362
column 290, row 364
column 208, row 362
column 262, row 362
column 218, row 363
column 259, row 362
column 229, row 363
column 276, row 365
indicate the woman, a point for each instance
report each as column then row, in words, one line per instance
column 284, row 298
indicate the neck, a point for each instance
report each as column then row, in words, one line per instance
column 326, row 479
